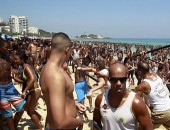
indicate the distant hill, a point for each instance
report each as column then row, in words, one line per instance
column 92, row 36
column 44, row 33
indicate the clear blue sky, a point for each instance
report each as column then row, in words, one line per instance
column 113, row 18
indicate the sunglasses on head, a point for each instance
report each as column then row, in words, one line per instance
column 121, row 79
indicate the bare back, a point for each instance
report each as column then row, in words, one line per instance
column 79, row 76
column 60, row 101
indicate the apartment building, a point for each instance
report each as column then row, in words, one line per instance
column 1, row 20
column 18, row 24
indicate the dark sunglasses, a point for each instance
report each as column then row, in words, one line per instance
column 121, row 79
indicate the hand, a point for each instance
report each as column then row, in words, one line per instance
column 89, row 86
column 12, row 75
column 89, row 94
column 81, row 107
column 13, row 71
column 23, row 95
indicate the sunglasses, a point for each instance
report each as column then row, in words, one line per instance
column 121, row 79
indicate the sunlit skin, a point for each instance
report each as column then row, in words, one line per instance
column 5, row 78
column 117, row 96
column 117, row 72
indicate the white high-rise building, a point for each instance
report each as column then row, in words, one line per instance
column 1, row 20
column 18, row 24
column 33, row 30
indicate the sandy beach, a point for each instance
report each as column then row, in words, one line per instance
column 27, row 124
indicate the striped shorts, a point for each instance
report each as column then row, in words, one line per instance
column 9, row 95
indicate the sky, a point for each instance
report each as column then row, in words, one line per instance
column 111, row 18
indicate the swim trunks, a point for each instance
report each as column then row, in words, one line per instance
column 9, row 95
column 81, row 89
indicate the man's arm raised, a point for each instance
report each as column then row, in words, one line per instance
column 88, row 69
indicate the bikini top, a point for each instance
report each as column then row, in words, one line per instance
column 24, row 77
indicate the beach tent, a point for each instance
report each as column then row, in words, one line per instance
column 8, row 36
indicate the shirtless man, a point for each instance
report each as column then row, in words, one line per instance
column 32, row 49
column 81, row 83
column 57, row 87
column 110, row 59
column 102, row 75
column 118, row 108
column 8, row 94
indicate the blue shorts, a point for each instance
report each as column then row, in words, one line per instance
column 9, row 95
column 81, row 89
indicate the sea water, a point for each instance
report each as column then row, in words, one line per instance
column 137, row 41
column 134, row 41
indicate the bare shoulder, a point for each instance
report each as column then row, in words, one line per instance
column 137, row 100
column 143, row 87
column 138, row 105
column 142, row 114
column 98, row 100
column 51, row 74
column 28, row 67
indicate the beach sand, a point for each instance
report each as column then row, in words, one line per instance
column 27, row 124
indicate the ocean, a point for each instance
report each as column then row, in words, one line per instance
column 137, row 41
column 134, row 41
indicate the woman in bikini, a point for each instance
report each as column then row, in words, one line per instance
column 30, row 90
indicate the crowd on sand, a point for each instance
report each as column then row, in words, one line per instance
column 113, row 65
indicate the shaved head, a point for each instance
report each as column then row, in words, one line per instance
column 143, row 67
column 117, row 70
column 60, row 41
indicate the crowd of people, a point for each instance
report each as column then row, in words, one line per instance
column 41, row 68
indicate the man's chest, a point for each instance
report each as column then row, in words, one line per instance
column 33, row 47
column 4, row 65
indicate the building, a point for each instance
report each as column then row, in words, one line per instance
column 33, row 30
column 1, row 20
column 7, row 28
column 4, row 25
column 18, row 24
